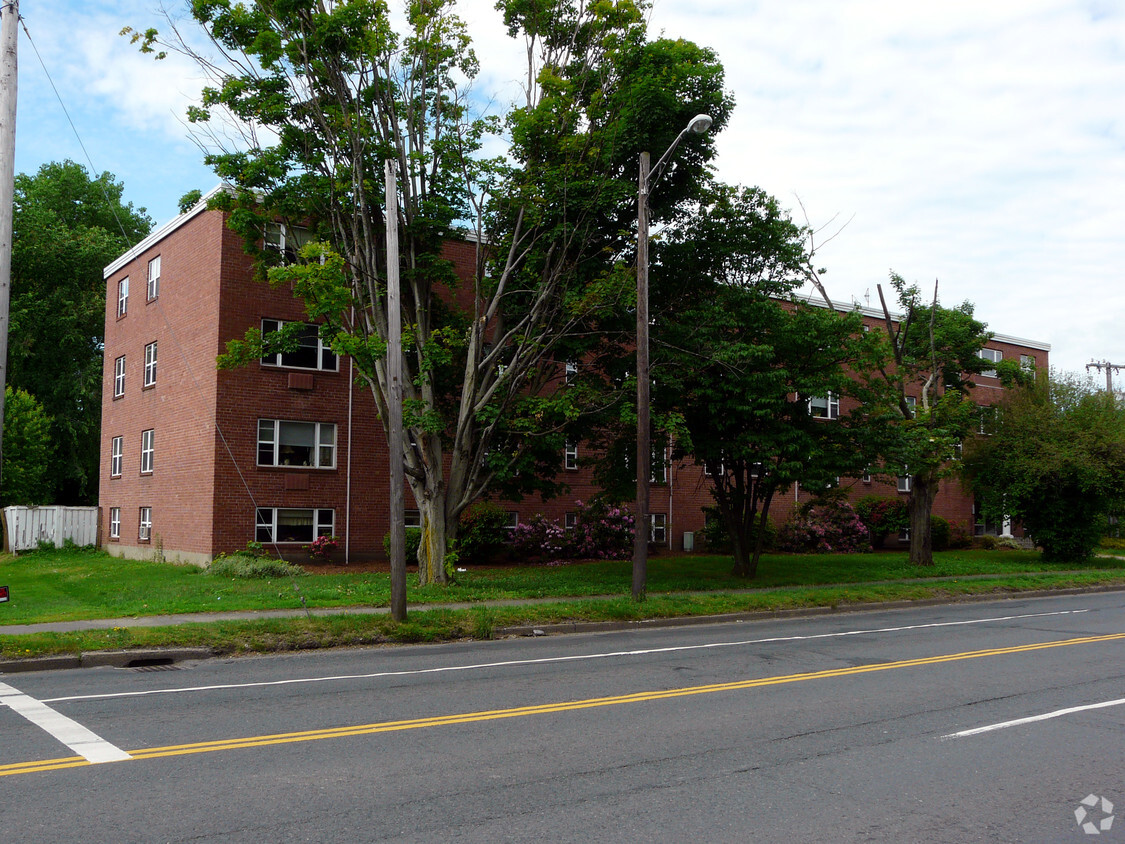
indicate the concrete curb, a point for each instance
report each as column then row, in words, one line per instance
column 138, row 658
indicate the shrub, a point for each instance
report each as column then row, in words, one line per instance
column 824, row 527
column 411, row 541
column 986, row 542
column 243, row 565
column 483, row 532
column 1115, row 542
column 960, row 537
column 601, row 531
column 882, row 517
column 939, row 533
column 717, row 539
column 322, row 547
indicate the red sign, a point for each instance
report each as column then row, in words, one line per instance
column 3, row 594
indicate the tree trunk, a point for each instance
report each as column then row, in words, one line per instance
column 921, row 504
column 436, row 539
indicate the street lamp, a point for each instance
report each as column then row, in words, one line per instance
column 697, row 125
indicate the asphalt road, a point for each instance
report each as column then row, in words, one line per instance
column 841, row 728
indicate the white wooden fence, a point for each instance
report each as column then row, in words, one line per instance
column 26, row 527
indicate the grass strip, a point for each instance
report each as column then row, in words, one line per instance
column 273, row 635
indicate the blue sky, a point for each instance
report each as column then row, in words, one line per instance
column 981, row 144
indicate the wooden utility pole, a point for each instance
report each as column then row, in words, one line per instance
column 9, row 19
column 644, row 385
column 394, row 402
column 1109, row 368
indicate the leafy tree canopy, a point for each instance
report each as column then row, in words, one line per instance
column 67, row 227
column 1053, row 459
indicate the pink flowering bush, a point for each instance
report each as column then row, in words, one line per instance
column 824, row 527
column 601, row 531
column 322, row 547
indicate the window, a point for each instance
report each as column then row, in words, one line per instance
column 311, row 352
column 825, row 407
column 904, row 482
column 285, row 240
column 866, row 477
column 570, row 455
column 144, row 531
column 119, row 377
column 570, row 521
column 571, row 371
column 277, row 524
column 658, row 531
column 147, row 449
column 986, row 419
column 413, row 518
column 308, row 444
column 757, row 470
column 150, row 365
column 993, row 356
column 116, row 457
column 659, row 467
column 1027, row 363
column 114, row 522
column 513, row 520
column 912, row 403
column 154, row 278
column 122, row 297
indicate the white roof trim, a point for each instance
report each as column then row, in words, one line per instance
column 875, row 313
column 162, row 232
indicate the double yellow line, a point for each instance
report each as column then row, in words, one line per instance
column 540, row 709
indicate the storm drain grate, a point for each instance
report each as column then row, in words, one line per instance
column 153, row 664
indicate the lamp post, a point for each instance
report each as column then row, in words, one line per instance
column 697, row 125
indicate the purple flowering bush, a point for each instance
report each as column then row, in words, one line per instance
column 601, row 531
column 824, row 527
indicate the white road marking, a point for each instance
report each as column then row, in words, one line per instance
column 1058, row 713
column 85, row 743
column 555, row 659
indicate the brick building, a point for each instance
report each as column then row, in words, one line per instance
column 198, row 461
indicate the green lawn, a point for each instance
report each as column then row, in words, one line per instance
column 83, row 584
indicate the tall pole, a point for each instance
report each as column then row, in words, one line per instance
column 394, row 402
column 644, row 448
column 698, row 124
column 9, row 19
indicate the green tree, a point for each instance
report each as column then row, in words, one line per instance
column 27, row 450
column 934, row 350
column 743, row 370
column 342, row 92
column 67, row 228
column 1054, row 459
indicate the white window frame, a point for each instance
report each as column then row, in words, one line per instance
column 144, row 524
column 570, row 520
column 513, row 520
column 150, row 365
column 116, row 457
column 154, row 278
column 905, row 481
column 323, row 448
column 829, row 403
column 571, row 371
column 266, row 523
column 119, row 377
column 570, row 455
column 659, row 474
column 322, row 350
column 285, row 240
column 912, row 403
column 148, row 450
column 114, row 522
column 123, row 297
column 658, row 528
column 992, row 356
column 1027, row 363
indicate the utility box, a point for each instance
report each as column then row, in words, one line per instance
column 689, row 540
